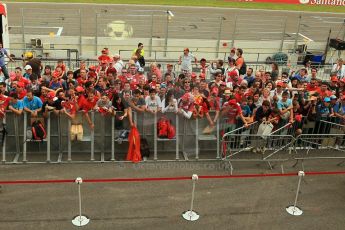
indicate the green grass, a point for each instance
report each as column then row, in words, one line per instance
column 213, row 3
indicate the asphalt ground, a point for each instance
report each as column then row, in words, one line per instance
column 241, row 203
column 187, row 23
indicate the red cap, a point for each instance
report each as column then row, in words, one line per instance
column 233, row 74
column 232, row 102
column 51, row 95
column 279, row 83
column 193, row 75
column 215, row 91
column 20, row 84
column 79, row 89
column 56, row 74
column 202, row 75
column 334, row 78
column 92, row 67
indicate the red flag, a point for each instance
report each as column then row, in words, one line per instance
column 2, row 9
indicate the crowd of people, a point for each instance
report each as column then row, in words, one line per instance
column 217, row 90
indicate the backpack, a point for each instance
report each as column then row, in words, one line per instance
column 165, row 128
column 243, row 69
column 38, row 131
column 144, row 147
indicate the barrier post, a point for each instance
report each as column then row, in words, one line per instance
column 155, row 137
column 4, row 140
column 93, row 137
column 196, row 139
column 177, row 138
column 69, row 144
column 24, row 137
column 293, row 209
column 191, row 215
column 112, row 138
column 48, row 138
column 80, row 220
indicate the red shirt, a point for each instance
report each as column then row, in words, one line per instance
column 312, row 88
column 22, row 94
column 323, row 94
column 4, row 101
column 87, row 105
column 104, row 58
column 238, row 97
column 233, row 111
column 214, row 104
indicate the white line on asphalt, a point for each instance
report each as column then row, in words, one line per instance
column 311, row 40
column 167, row 6
column 58, row 33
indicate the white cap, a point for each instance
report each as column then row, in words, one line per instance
column 27, row 67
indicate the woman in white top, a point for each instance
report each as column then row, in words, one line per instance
column 169, row 103
column 339, row 67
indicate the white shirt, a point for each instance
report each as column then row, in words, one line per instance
column 186, row 62
column 340, row 71
column 153, row 105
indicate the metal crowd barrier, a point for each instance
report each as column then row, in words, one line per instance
column 321, row 146
column 100, row 144
column 227, row 142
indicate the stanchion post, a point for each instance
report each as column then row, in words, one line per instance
column 191, row 215
column 293, row 209
column 80, row 220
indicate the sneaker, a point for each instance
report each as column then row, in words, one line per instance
column 119, row 140
column 144, row 158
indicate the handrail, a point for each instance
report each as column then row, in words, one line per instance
column 240, row 128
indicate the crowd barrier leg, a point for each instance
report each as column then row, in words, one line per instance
column 155, row 157
column 24, row 129
column 93, row 137
column 185, row 155
column 103, row 138
column 4, row 141
column 17, row 138
column 48, row 138
column 69, row 143
column 177, row 139
column 218, row 140
column 197, row 139
column 60, row 140
column 112, row 138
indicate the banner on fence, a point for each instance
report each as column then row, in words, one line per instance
column 304, row 2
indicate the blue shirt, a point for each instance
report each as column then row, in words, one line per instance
column 246, row 111
column 19, row 105
column 34, row 104
column 284, row 105
column 3, row 52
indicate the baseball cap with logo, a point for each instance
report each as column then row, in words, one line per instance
column 326, row 99
column 27, row 67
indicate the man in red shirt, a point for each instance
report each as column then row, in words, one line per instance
column 88, row 104
column 231, row 111
column 323, row 90
column 19, row 77
column 313, row 86
column 105, row 56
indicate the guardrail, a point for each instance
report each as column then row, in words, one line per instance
column 102, row 144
